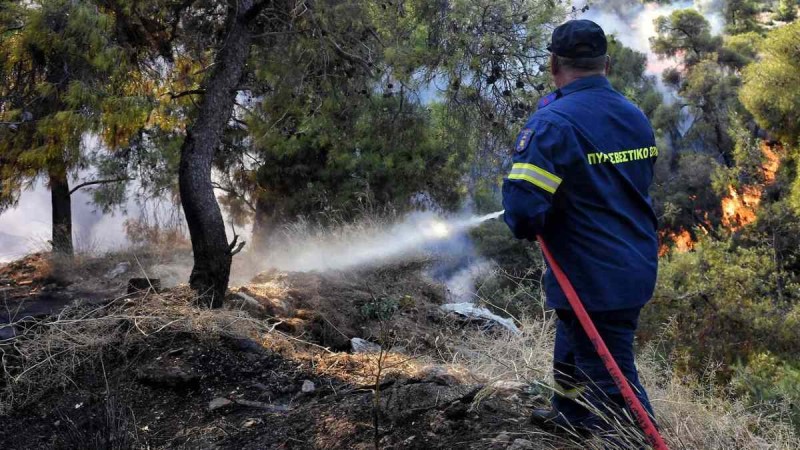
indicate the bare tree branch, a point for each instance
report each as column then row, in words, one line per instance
column 234, row 248
column 90, row 183
column 174, row 95
column 238, row 195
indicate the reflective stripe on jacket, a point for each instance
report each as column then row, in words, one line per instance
column 581, row 171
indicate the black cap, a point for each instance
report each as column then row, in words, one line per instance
column 578, row 39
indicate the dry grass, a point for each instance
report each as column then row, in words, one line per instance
column 48, row 352
column 690, row 414
column 696, row 415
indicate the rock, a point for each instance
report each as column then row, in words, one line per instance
column 118, row 270
column 358, row 345
column 219, row 402
column 405, row 401
column 487, row 319
column 521, row 444
column 308, row 387
column 246, row 345
column 265, row 305
column 439, row 375
column 249, row 423
column 6, row 281
column 508, row 388
column 503, row 437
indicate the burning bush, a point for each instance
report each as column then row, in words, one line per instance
column 739, row 210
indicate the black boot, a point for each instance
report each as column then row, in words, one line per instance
column 555, row 422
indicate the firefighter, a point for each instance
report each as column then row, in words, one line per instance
column 582, row 167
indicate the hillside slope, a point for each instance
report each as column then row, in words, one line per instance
column 276, row 368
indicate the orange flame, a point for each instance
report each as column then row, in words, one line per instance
column 739, row 210
column 772, row 161
column 682, row 242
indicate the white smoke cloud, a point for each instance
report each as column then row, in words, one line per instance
column 631, row 21
column 28, row 226
column 304, row 247
column 461, row 285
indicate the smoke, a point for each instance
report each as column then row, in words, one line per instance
column 26, row 228
column 422, row 236
column 631, row 21
column 461, row 284
column 302, row 247
column 305, row 248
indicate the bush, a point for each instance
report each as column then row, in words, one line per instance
column 727, row 302
column 380, row 308
column 770, row 383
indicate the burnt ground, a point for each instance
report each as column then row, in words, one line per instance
column 160, row 397
column 37, row 286
column 189, row 386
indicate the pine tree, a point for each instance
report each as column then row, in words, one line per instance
column 770, row 86
column 59, row 67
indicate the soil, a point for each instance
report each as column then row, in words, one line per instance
column 188, row 390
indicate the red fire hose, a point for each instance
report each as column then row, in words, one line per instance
column 631, row 399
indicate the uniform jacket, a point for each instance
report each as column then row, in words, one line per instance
column 582, row 167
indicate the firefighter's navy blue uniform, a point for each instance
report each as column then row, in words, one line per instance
column 582, row 167
column 581, row 171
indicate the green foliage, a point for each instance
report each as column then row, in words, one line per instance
column 711, row 93
column 381, row 308
column 770, row 383
column 771, row 86
column 684, row 31
column 384, row 152
column 739, row 50
column 749, row 168
column 64, row 75
column 627, row 76
column 681, row 193
column 740, row 16
column 727, row 301
column 787, row 10
column 443, row 92
column 707, row 83
column 46, row 65
column 488, row 53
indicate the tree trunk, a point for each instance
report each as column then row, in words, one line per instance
column 62, row 213
column 212, row 253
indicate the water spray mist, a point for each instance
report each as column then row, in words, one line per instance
column 370, row 246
